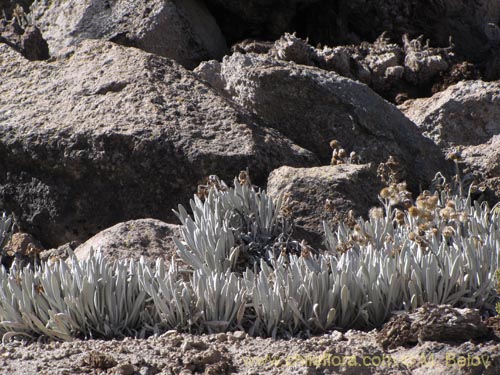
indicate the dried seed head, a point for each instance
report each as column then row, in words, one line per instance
column 400, row 217
column 423, row 227
column 414, row 211
column 351, row 219
column 376, row 213
column 392, row 162
column 432, row 202
column 463, row 217
column 448, row 231
column 445, row 213
column 202, row 191
column 407, row 203
column 334, row 144
column 401, row 187
column 243, row 178
column 426, row 215
column 385, row 193
column 305, row 250
column 329, row 206
column 426, row 194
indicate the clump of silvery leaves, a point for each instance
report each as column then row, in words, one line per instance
column 246, row 272
column 233, row 228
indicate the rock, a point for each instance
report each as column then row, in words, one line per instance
column 22, row 247
column 149, row 238
column 458, row 72
column 346, row 187
column 97, row 360
column 423, row 64
column 209, row 71
column 441, row 323
column 124, row 369
column 33, row 45
column 483, row 163
column 291, row 48
column 467, row 113
column 312, row 107
column 112, row 134
column 182, row 30
column 61, row 252
column 389, row 69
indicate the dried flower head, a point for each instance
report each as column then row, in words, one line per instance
column 385, row 193
column 400, row 217
column 334, row 144
column 448, row 231
column 329, row 206
column 414, row 211
column 376, row 213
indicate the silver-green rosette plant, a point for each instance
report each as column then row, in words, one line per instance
column 245, row 271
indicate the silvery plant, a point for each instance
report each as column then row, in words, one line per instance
column 246, row 272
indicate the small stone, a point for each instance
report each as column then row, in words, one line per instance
column 221, row 337
column 239, row 335
column 97, row 360
column 337, row 336
column 125, row 369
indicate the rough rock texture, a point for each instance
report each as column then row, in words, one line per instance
column 149, row 238
column 395, row 72
column 346, row 187
column 21, row 247
column 433, row 323
column 182, row 30
column 112, row 134
column 312, row 107
column 349, row 353
column 467, row 113
column 483, row 162
column 60, row 252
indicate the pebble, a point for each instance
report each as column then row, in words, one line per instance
column 124, row 369
column 221, row 337
column 239, row 335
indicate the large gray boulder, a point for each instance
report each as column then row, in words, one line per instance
column 325, row 193
column 114, row 133
column 312, row 107
column 467, row 113
column 465, row 120
column 182, row 30
column 483, row 163
column 133, row 239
